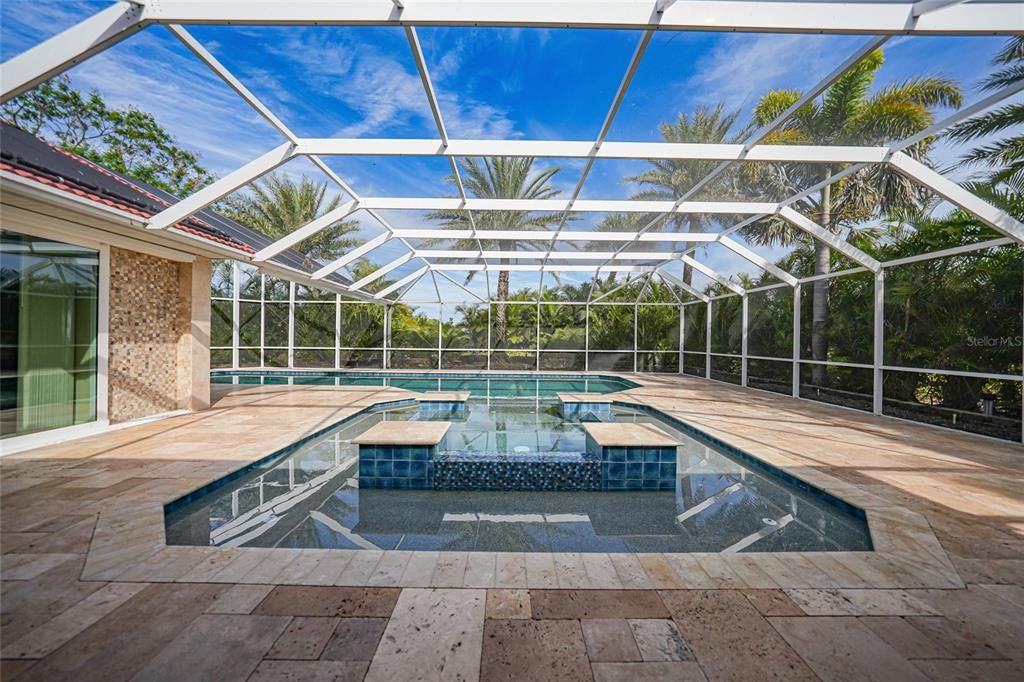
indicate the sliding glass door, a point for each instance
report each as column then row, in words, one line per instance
column 49, row 295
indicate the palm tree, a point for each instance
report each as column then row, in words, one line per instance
column 501, row 178
column 848, row 113
column 1003, row 185
column 671, row 179
column 277, row 205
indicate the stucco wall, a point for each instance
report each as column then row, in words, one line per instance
column 159, row 335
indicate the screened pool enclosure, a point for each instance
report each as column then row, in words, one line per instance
column 787, row 248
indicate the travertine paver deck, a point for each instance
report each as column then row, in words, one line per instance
column 90, row 591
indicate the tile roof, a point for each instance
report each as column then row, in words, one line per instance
column 30, row 157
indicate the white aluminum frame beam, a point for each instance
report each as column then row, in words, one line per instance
column 833, row 240
column 402, row 282
column 693, row 291
column 581, row 149
column 119, row 21
column 197, row 201
column 557, row 205
column 692, row 15
column 351, row 256
column 308, row 230
column 713, row 274
column 993, row 217
column 381, row 271
column 542, row 255
column 761, row 262
column 549, row 235
column 496, row 267
column 68, row 48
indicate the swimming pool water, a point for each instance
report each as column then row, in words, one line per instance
column 311, row 498
column 491, row 386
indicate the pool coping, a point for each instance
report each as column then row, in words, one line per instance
column 906, row 554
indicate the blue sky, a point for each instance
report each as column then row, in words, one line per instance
column 491, row 83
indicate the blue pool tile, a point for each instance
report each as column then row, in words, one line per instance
column 385, row 468
column 418, row 469
column 652, row 454
column 617, row 471
column 402, row 468
column 367, row 467
column 652, row 471
column 615, row 454
column 668, row 471
column 634, row 470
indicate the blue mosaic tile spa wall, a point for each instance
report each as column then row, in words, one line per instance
column 500, row 471
column 635, row 468
column 396, row 467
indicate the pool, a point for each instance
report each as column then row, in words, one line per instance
column 496, row 385
column 723, row 500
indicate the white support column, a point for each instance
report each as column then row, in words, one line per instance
column 291, row 324
column 263, row 320
column 337, row 331
column 386, row 342
column 235, row 307
column 707, row 347
column 879, row 342
column 636, row 332
column 682, row 337
column 586, row 336
column 745, row 327
column 797, row 293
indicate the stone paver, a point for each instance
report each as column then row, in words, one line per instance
column 126, row 639
column 773, row 603
column 596, row 604
column 309, row 671
column 508, row 604
column 304, row 638
column 648, row 672
column 659, row 640
column 534, row 650
column 287, row 600
column 240, row 599
column 610, row 639
column 730, row 638
column 839, row 648
column 434, row 634
column 215, row 647
column 354, row 639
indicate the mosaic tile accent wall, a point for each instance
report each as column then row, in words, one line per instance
column 481, row 474
column 147, row 319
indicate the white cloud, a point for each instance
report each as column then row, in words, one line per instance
column 742, row 67
column 383, row 90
